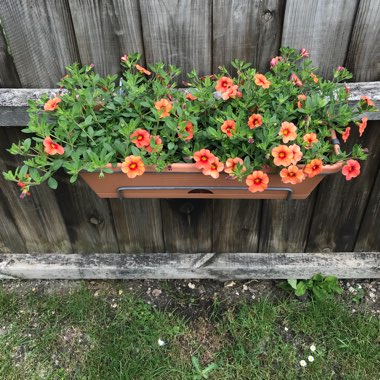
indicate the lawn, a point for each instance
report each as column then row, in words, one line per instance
column 92, row 331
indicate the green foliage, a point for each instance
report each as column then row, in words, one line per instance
column 95, row 117
column 319, row 287
column 202, row 373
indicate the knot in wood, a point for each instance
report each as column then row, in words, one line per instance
column 268, row 15
column 94, row 220
column 186, row 208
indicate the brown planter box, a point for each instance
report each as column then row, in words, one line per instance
column 186, row 181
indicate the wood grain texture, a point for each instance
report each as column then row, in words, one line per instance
column 138, row 225
column 363, row 57
column 341, row 204
column 285, row 225
column 8, row 73
column 223, row 266
column 41, row 39
column 106, row 30
column 236, row 225
column 37, row 218
column 178, row 33
column 369, row 236
column 321, row 26
column 247, row 30
column 88, row 219
column 187, row 225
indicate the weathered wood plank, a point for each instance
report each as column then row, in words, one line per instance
column 8, row 73
column 41, row 38
column 341, row 204
column 321, row 26
column 187, row 225
column 247, row 30
column 369, row 236
column 236, row 225
column 221, row 266
column 37, row 218
column 178, row 33
column 13, row 102
column 88, row 219
column 285, row 225
column 106, row 30
column 138, row 225
column 363, row 57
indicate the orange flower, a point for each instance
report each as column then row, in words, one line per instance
column 288, row 132
column 283, row 155
column 296, row 80
column 310, row 139
column 190, row 96
column 313, row 168
column 262, row 81
column 363, row 125
column 292, row 175
column 140, row 138
column 297, row 154
column 351, row 169
column 368, row 101
column 228, row 127
column 255, row 121
column 231, row 92
column 231, row 165
column 257, row 181
column 52, row 104
column 346, row 134
column 133, row 166
column 214, row 169
column 314, row 77
column 157, row 141
column 52, row 148
column 164, row 105
column 300, row 98
column 142, row 69
column 203, row 159
column 223, row 84
column 190, row 131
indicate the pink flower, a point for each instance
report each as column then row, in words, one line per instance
column 274, row 61
column 304, row 53
column 351, row 169
column 340, row 68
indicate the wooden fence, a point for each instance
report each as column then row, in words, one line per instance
column 40, row 37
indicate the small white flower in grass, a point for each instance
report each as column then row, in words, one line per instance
column 312, row 348
column 310, row 358
column 286, row 329
column 303, row 363
column 161, row 342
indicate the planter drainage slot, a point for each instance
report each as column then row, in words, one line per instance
column 194, row 190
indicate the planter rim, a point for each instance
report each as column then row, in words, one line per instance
column 181, row 167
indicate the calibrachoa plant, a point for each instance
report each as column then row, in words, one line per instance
column 244, row 126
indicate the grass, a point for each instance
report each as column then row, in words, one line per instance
column 80, row 336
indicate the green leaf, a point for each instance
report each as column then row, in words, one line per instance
column 301, row 289
column 52, row 183
column 293, row 283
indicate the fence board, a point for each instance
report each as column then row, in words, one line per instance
column 178, row 32
column 341, row 204
column 37, row 218
column 321, row 26
column 187, row 225
column 138, row 225
column 223, row 266
column 236, row 225
column 106, row 30
column 363, row 57
column 8, row 73
column 247, row 30
column 369, row 237
column 88, row 219
column 41, row 38
column 285, row 225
